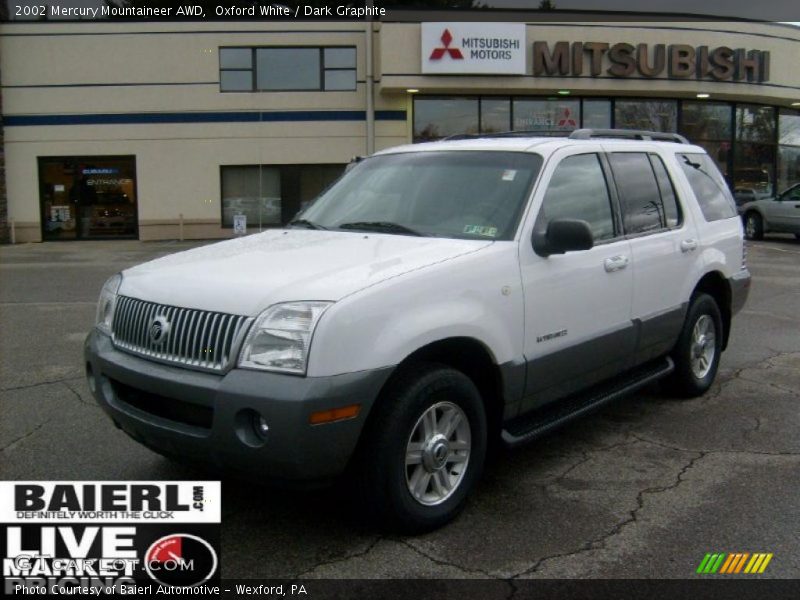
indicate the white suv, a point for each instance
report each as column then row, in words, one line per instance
column 435, row 297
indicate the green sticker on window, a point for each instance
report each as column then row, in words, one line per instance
column 481, row 230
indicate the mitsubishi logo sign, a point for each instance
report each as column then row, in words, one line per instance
column 473, row 48
column 454, row 53
column 566, row 120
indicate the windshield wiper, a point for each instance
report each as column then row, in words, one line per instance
column 306, row 223
column 382, row 227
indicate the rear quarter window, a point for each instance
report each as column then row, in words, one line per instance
column 708, row 185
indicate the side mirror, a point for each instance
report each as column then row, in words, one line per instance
column 563, row 235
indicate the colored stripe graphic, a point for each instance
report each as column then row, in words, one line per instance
column 718, row 563
column 703, row 563
column 727, row 564
column 740, row 564
column 711, row 562
column 766, row 562
column 758, row 563
column 733, row 563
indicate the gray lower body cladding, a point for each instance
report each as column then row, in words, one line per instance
column 213, row 419
column 740, row 290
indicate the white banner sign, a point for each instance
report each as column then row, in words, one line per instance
column 474, row 48
column 118, row 501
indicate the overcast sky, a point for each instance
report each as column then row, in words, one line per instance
column 768, row 10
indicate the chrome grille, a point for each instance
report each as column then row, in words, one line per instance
column 197, row 339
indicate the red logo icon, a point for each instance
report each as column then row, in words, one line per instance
column 566, row 121
column 454, row 53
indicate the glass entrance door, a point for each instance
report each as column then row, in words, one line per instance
column 88, row 197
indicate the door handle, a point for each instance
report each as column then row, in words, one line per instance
column 615, row 263
column 688, row 245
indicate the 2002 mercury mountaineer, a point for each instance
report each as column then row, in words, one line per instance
column 435, row 296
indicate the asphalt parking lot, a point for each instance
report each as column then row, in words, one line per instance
column 641, row 490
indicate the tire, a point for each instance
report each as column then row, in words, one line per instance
column 797, row 236
column 402, row 429
column 696, row 356
column 753, row 226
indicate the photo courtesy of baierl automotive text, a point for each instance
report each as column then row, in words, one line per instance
column 300, row 294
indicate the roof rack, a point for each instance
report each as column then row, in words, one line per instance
column 499, row 134
column 580, row 134
column 628, row 134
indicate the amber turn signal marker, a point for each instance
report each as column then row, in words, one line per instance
column 334, row 414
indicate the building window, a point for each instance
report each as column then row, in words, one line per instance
column 287, row 69
column 436, row 118
column 709, row 124
column 495, row 115
column 597, row 114
column 755, row 150
column 252, row 191
column 236, row 69
column 547, row 116
column 88, row 197
column 271, row 195
column 650, row 115
column 788, row 149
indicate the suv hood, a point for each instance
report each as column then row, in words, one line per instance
column 246, row 275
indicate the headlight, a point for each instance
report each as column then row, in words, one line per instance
column 107, row 303
column 280, row 337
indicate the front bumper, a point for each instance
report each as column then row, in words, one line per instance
column 211, row 418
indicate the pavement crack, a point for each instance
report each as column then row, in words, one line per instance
column 444, row 563
column 341, row 559
column 586, row 457
column 22, row 438
column 41, row 383
column 633, row 515
column 772, row 385
column 712, row 451
column 78, row 396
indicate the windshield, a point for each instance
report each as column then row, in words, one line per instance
column 461, row 194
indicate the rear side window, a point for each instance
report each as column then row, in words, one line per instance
column 709, row 187
column 578, row 190
column 642, row 208
column 672, row 213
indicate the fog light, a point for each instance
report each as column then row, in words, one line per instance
column 262, row 427
column 251, row 428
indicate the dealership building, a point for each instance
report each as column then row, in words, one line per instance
column 164, row 130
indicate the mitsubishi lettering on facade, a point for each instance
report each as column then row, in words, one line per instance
column 670, row 61
column 473, row 48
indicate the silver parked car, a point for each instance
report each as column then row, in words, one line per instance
column 780, row 214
